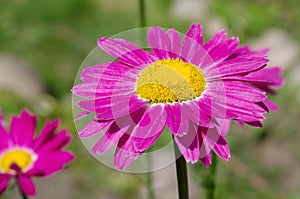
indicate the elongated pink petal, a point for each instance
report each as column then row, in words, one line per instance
column 60, row 140
column 109, row 70
column 188, row 144
column 22, row 129
column 205, row 149
column 125, row 152
column 126, row 52
column 93, row 127
column 177, row 120
column 112, row 107
column 175, row 43
column 234, row 67
column 26, row 185
column 192, row 42
column 223, row 50
column 110, row 138
column 159, row 42
column 150, row 127
column 218, row 143
column 218, row 38
column 46, row 134
column 58, row 160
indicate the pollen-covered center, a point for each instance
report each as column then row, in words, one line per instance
column 23, row 159
column 169, row 81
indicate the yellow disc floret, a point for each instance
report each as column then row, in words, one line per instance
column 22, row 158
column 169, row 81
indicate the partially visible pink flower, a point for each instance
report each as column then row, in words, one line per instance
column 22, row 155
column 192, row 87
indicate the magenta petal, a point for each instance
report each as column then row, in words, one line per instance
column 196, row 114
column 192, row 42
column 110, row 70
column 112, row 107
column 218, row 143
column 188, row 144
column 93, row 127
column 4, row 179
column 26, row 185
column 159, row 42
column 235, row 67
column 126, row 52
column 204, row 143
column 125, row 152
column 218, row 38
column 175, row 43
column 223, row 50
column 149, row 128
column 111, row 136
column 46, row 134
column 22, row 129
column 270, row 105
column 58, row 141
column 58, row 160
column 177, row 120
column 207, row 160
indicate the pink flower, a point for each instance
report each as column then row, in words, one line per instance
column 193, row 88
column 23, row 156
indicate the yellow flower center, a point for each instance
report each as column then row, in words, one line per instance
column 22, row 158
column 169, row 81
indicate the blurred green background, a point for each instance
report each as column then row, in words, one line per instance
column 52, row 38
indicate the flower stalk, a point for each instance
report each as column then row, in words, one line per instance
column 182, row 178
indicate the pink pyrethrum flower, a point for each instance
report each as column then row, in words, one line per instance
column 192, row 87
column 22, row 155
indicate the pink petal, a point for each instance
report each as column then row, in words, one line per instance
column 93, row 127
column 149, row 128
column 125, row 152
column 235, row 67
column 218, row 143
column 112, row 107
column 218, row 38
column 223, row 50
column 188, row 144
column 110, row 70
column 60, row 140
column 22, row 129
column 192, row 41
column 196, row 114
column 177, row 120
column 26, row 185
column 46, row 134
column 111, row 136
column 175, row 43
column 126, row 52
column 159, row 42
column 58, row 160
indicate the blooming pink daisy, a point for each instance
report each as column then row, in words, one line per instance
column 191, row 87
column 23, row 156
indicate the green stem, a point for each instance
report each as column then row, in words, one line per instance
column 142, row 14
column 209, row 183
column 182, row 178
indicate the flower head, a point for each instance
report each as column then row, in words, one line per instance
column 193, row 88
column 23, row 156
